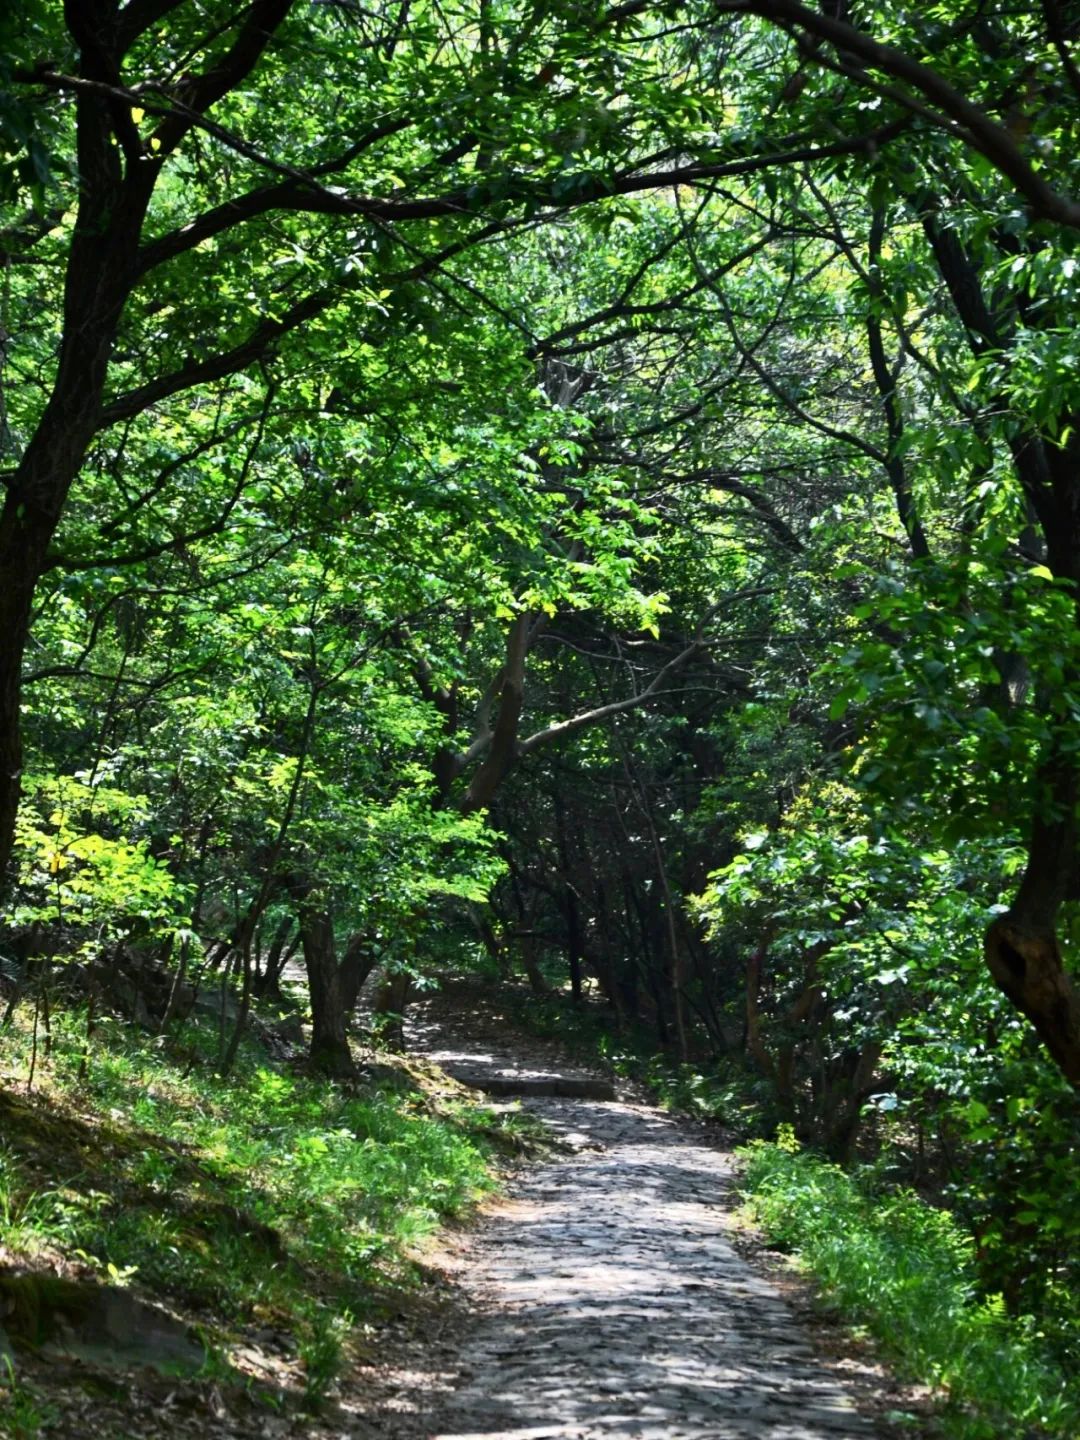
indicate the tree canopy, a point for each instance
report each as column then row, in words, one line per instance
column 592, row 488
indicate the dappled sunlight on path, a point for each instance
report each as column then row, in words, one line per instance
column 612, row 1304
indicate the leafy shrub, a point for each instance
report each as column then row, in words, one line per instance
column 908, row 1272
column 272, row 1193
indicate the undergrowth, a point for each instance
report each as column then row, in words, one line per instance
column 22, row 1413
column 729, row 1095
column 274, row 1198
column 906, row 1271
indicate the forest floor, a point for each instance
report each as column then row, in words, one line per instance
column 612, row 1293
column 609, row 1293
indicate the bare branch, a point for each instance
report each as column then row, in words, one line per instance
column 563, row 728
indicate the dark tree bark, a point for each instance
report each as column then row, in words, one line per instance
column 851, row 1085
column 1023, row 953
column 100, row 273
column 117, row 176
column 267, row 980
column 1022, row 950
column 526, row 932
column 330, row 1051
column 502, row 744
column 571, row 912
column 357, row 963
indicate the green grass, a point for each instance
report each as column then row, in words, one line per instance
column 906, row 1271
column 272, row 1198
column 22, row 1413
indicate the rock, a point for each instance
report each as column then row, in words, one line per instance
column 208, row 1002
column 135, row 985
column 103, row 1324
column 288, row 1029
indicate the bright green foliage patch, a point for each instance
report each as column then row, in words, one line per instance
column 907, row 1271
column 274, row 1198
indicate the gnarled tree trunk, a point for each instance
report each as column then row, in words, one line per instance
column 357, row 963
column 1022, row 949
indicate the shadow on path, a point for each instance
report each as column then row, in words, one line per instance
column 612, row 1304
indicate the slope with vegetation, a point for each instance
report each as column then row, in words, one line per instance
column 245, row 1241
column 592, row 489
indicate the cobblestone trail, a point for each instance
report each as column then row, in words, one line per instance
column 612, row 1305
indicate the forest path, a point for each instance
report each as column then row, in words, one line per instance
column 607, row 1301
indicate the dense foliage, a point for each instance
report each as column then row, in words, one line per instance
column 592, row 489
column 907, row 1270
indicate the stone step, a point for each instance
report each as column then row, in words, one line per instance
column 567, row 1087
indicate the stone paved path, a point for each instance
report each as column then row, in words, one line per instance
column 612, row 1305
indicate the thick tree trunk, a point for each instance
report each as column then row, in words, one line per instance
column 330, row 1051
column 117, row 175
column 1022, row 950
column 1021, row 947
column 1025, row 961
column 843, row 1103
column 502, row 749
column 100, row 273
column 31, row 512
column 527, row 952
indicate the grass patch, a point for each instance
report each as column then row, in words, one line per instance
column 274, row 1198
column 22, row 1413
column 907, row 1272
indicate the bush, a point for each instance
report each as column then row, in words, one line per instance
column 268, row 1194
column 907, row 1272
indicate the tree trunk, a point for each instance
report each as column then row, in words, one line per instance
column 117, row 176
column 845, row 1098
column 604, row 955
column 530, row 964
column 504, row 737
column 330, row 1051
column 755, row 1045
column 527, row 934
column 1021, row 947
column 1022, row 950
column 100, row 273
column 390, row 1005
column 569, row 901
column 277, row 957
column 1025, row 961
column 357, row 963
